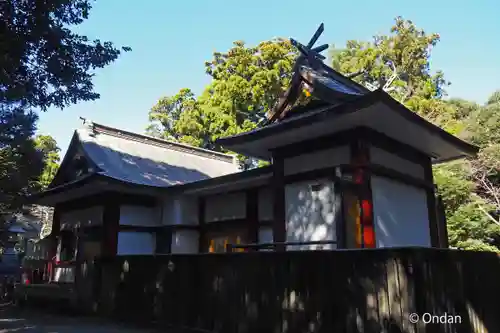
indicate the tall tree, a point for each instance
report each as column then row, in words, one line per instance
column 20, row 162
column 44, row 63
column 484, row 130
column 47, row 145
column 398, row 61
column 246, row 82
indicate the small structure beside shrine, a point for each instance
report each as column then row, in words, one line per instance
column 349, row 169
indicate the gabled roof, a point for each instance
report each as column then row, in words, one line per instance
column 142, row 160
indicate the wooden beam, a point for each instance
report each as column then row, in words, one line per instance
column 360, row 156
column 111, row 224
column 252, row 216
column 278, row 188
column 432, row 207
column 203, row 241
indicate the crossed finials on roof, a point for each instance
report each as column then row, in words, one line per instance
column 318, row 79
column 308, row 56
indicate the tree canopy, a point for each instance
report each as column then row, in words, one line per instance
column 247, row 81
column 20, row 162
column 43, row 64
column 245, row 84
column 47, row 145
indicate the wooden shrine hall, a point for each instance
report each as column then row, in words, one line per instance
column 351, row 168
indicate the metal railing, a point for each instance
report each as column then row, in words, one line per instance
column 273, row 246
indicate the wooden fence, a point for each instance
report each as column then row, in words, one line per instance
column 308, row 291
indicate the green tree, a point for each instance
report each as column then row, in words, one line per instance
column 246, row 82
column 20, row 162
column 494, row 98
column 398, row 61
column 484, row 130
column 472, row 187
column 47, row 145
column 44, row 63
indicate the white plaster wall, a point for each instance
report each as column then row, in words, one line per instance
column 317, row 160
column 84, row 217
column 225, row 207
column 265, row 204
column 265, row 235
column 64, row 274
column 185, row 241
column 180, row 210
column 131, row 242
column 389, row 160
column 139, row 216
column 400, row 214
column 310, row 213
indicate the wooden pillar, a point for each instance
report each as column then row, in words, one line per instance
column 252, row 216
column 54, row 239
column 360, row 158
column 56, row 231
column 431, row 205
column 442, row 224
column 202, row 240
column 278, row 186
column 111, row 225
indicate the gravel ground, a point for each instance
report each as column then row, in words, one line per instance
column 13, row 320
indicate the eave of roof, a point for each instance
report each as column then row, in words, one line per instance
column 227, row 179
column 205, row 183
column 335, row 111
column 33, row 198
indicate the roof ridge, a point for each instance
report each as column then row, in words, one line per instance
column 150, row 140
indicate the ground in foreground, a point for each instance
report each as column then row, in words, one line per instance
column 31, row 321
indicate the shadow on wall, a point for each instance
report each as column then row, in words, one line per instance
column 139, row 170
column 310, row 213
column 307, row 291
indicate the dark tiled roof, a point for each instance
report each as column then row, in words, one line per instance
column 144, row 160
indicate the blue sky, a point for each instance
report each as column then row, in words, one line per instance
column 171, row 40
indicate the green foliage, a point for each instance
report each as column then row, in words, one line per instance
column 471, row 189
column 43, row 62
column 20, row 162
column 494, row 98
column 405, row 51
column 246, row 83
column 483, row 126
column 453, row 185
column 470, row 229
column 48, row 146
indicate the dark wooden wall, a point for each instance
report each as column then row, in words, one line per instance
column 309, row 291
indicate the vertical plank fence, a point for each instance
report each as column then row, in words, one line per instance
column 307, row 291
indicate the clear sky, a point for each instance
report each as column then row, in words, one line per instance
column 171, row 40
